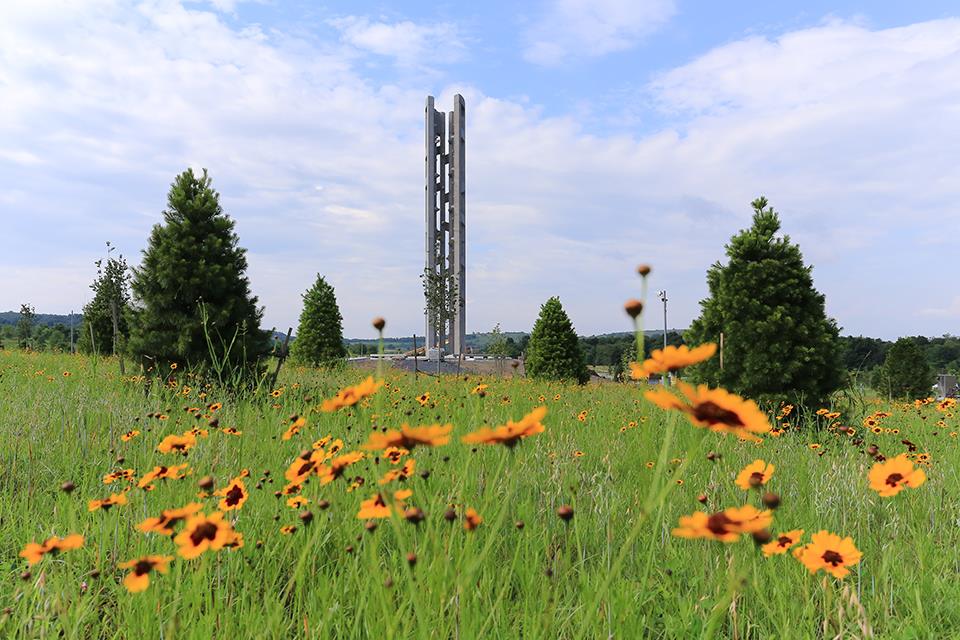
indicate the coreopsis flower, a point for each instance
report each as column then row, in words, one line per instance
column 130, row 435
column 829, row 552
column 329, row 473
column 173, row 472
column 512, row 432
column 197, row 432
column 202, row 533
column 671, row 359
column 296, row 502
column 377, row 507
column 395, row 454
column 480, row 390
column 401, row 473
column 177, row 443
column 232, row 431
column 471, row 519
column 715, row 409
column 582, row 416
column 755, row 474
column 287, row 529
column 727, row 525
column 139, row 578
column 234, row 495
column 424, row 398
column 301, row 468
column 33, row 552
column 214, row 407
column 168, row 518
column 351, row 395
column 107, row 503
column 782, row 542
column 322, row 442
column 297, row 423
column 124, row 474
column 888, row 478
column 409, row 437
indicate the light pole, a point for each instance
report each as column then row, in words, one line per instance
column 663, row 297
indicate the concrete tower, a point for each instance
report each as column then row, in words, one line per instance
column 445, row 244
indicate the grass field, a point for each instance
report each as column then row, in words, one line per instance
column 627, row 469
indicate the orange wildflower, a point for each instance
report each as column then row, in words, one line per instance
column 337, row 466
column 716, row 409
column 202, row 533
column 726, row 525
column 106, row 503
column 177, row 443
column 139, row 579
column 782, row 542
column 755, row 474
column 408, row 437
column 472, row 519
column 168, row 518
column 234, row 495
column 671, row 359
column 351, row 395
column 828, row 552
column 888, row 478
column 162, row 472
column 402, row 473
column 512, row 432
column 34, row 552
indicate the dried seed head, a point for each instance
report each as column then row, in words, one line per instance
column 873, row 450
column 519, row 524
column 762, row 537
column 349, row 548
column 633, row 307
column 414, row 515
column 306, row 517
column 379, row 323
column 324, row 504
column 450, row 515
column 388, row 582
column 713, row 456
column 644, row 270
column 565, row 512
column 411, row 558
column 371, row 525
column 702, row 498
column 67, row 487
column 770, row 500
column 206, row 483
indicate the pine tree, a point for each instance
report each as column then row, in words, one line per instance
column 111, row 284
column 28, row 317
column 905, row 373
column 320, row 333
column 779, row 343
column 192, row 302
column 554, row 351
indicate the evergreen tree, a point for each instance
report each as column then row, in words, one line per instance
column 28, row 317
column 112, row 284
column 906, row 374
column 554, row 351
column 320, row 333
column 191, row 298
column 778, row 342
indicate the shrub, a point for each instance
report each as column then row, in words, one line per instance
column 779, row 343
column 191, row 297
column 320, row 333
column 554, row 350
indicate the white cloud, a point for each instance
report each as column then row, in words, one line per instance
column 111, row 104
column 407, row 42
column 590, row 28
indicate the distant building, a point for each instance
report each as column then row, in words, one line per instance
column 947, row 386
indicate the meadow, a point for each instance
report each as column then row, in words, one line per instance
column 570, row 533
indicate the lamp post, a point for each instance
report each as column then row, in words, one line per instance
column 663, row 297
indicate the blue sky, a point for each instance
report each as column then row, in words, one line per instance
column 600, row 133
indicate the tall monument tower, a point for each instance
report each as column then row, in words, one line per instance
column 446, row 223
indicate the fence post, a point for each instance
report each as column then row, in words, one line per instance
column 283, row 356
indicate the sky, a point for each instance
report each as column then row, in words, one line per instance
column 600, row 134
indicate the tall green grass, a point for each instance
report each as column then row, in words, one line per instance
column 614, row 570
